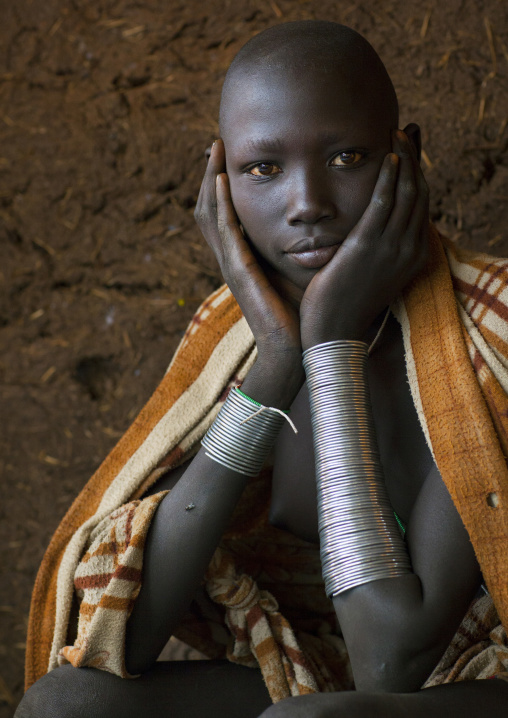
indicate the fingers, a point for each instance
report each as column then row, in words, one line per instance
column 217, row 219
column 409, row 220
column 251, row 288
column 205, row 213
column 239, row 263
column 207, row 197
column 378, row 212
column 419, row 216
column 418, row 226
column 406, row 192
column 232, row 240
column 217, row 159
column 400, row 197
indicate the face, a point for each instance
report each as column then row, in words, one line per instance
column 302, row 156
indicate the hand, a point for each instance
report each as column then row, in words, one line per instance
column 380, row 255
column 272, row 319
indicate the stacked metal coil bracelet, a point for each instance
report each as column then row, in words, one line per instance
column 241, row 436
column 359, row 536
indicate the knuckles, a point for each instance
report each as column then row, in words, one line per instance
column 408, row 190
column 205, row 215
column 382, row 202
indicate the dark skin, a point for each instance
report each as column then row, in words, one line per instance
column 322, row 169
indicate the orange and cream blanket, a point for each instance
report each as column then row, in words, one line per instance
column 262, row 601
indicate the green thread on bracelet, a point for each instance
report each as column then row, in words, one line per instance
column 399, row 521
column 253, row 401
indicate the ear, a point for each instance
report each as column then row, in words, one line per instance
column 415, row 137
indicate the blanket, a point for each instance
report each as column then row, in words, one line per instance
column 263, row 601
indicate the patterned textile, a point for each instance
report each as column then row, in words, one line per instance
column 478, row 650
column 107, row 581
column 263, row 602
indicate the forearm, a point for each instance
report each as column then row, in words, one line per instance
column 398, row 629
column 181, row 540
column 384, row 626
column 179, row 546
column 398, row 603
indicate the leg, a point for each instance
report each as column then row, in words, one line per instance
column 349, row 704
column 180, row 689
column 467, row 699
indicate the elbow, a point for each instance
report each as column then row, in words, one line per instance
column 392, row 672
column 135, row 666
column 137, row 659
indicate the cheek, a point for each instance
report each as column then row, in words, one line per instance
column 252, row 208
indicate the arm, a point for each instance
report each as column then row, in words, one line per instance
column 180, row 543
column 396, row 629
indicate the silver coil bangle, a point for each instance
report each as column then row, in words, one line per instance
column 243, row 433
column 359, row 535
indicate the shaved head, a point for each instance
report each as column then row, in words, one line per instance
column 307, row 118
column 312, row 48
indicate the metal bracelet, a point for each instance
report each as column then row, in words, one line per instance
column 359, row 536
column 242, row 435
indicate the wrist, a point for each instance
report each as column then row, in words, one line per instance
column 359, row 537
column 274, row 383
column 330, row 334
column 316, row 340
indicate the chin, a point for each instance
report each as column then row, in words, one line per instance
column 290, row 287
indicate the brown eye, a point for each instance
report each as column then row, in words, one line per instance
column 344, row 159
column 264, row 169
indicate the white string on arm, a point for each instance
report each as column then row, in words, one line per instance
column 380, row 331
column 283, row 413
column 271, row 408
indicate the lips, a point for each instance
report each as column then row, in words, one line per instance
column 314, row 252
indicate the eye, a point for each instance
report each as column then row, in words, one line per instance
column 264, row 169
column 345, row 159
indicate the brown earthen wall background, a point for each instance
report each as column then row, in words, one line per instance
column 106, row 108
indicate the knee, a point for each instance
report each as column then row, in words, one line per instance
column 63, row 693
column 295, row 707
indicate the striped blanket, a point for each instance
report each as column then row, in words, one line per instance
column 262, row 601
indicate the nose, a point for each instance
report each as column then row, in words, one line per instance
column 310, row 199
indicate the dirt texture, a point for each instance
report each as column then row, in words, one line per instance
column 106, row 108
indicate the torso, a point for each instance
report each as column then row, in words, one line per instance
column 406, row 458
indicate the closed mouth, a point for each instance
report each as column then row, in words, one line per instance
column 314, row 252
column 310, row 244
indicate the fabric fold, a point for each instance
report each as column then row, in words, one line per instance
column 107, row 582
column 261, row 635
column 454, row 319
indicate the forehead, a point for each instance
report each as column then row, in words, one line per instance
column 286, row 104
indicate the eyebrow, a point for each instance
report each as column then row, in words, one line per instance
column 274, row 144
column 331, row 138
column 264, row 144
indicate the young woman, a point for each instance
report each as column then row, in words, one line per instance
column 317, row 210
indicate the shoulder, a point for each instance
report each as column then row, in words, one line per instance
column 473, row 272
